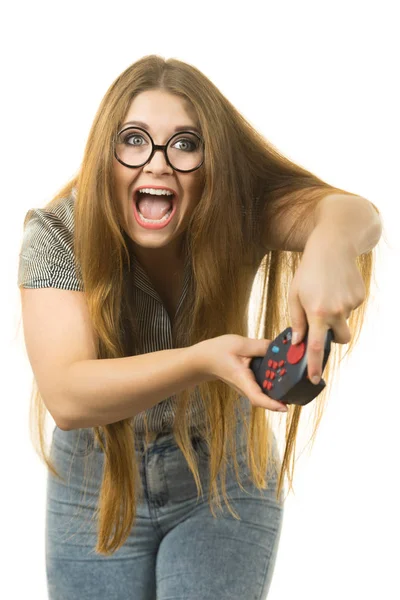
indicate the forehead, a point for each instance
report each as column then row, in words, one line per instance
column 162, row 111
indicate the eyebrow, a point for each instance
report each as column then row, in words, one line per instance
column 177, row 128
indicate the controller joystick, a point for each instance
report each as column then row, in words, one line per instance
column 282, row 373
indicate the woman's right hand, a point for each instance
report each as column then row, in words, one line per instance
column 227, row 357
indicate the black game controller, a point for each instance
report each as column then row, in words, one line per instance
column 282, row 373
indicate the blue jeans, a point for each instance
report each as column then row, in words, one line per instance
column 177, row 550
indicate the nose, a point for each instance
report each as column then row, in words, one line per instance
column 158, row 163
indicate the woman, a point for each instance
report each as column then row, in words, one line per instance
column 137, row 338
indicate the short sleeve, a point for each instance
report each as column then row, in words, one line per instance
column 46, row 258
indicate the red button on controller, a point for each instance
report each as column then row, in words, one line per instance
column 267, row 384
column 296, row 353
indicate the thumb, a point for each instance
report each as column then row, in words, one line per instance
column 257, row 347
column 298, row 319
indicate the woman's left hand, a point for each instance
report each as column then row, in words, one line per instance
column 326, row 287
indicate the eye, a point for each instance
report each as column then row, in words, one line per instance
column 193, row 145
column 135, row 136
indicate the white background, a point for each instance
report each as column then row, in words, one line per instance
column 320, row 80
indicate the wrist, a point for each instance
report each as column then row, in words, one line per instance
column 200, row 357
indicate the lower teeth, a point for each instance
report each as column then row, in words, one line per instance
column 165, row 217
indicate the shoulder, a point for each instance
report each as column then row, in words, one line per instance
column 47, row 256
column 53, row 223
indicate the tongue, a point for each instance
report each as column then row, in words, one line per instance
column 153, row 207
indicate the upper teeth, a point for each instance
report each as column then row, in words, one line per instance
column 157, row 192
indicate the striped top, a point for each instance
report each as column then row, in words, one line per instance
column 47, row 260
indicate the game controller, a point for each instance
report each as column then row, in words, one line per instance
column 282, row 373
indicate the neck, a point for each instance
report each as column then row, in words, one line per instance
column 159, row 260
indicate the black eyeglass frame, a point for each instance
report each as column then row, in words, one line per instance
column 156, row 147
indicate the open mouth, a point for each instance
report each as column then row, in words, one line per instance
column 155, row 223
column 171, row 199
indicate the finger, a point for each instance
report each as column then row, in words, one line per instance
column 298, row 318
column 317, row 332
column 341, row 330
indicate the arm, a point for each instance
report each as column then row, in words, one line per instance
column 329, row 284
column 102, row 391
column 352, row 220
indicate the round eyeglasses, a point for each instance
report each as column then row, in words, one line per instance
column 184, row 151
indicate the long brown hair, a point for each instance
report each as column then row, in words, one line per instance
column 249, row 177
